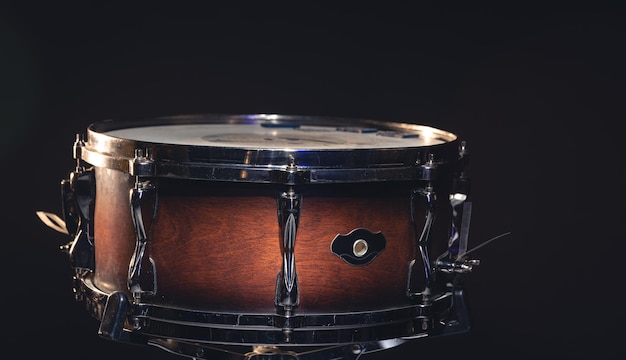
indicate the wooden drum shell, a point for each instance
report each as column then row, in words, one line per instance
column 216, row 245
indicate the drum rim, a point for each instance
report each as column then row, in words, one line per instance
column 249, row 328
column 144, row 158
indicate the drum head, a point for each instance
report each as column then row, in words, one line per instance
column 269, row 148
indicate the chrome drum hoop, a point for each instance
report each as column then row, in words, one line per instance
column 332, row 329
column 269, row 165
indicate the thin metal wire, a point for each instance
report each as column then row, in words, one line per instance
column 485, row 243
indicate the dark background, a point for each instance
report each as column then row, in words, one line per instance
column 536, row 91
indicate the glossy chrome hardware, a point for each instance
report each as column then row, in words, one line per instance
column 142, row 269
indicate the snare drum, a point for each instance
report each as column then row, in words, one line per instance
column 269, row 231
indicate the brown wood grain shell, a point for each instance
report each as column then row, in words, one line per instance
column 114, row 232
column 211, row 253
column 219, row 248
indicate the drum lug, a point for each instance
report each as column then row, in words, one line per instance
column 289, row 205
column 420, row 198
column 142, row 270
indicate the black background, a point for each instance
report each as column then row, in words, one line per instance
column 536, row 91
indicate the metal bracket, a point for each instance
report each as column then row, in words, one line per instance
column 142, row 270
column 423, row 198
column 113, row 321
column 142, row 164
column 289, row 205
column 287, row 296
column 78, row 196
column 429, row 168
column 453, row 261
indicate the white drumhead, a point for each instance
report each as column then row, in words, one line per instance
column 267, row 148
column 264, row 136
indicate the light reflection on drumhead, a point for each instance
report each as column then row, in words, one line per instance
column 259, row 137
column 279, row 139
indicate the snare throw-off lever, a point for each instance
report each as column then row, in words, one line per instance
column 454, row 259
column 78, row 193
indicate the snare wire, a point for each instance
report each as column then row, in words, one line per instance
column 485, row 243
